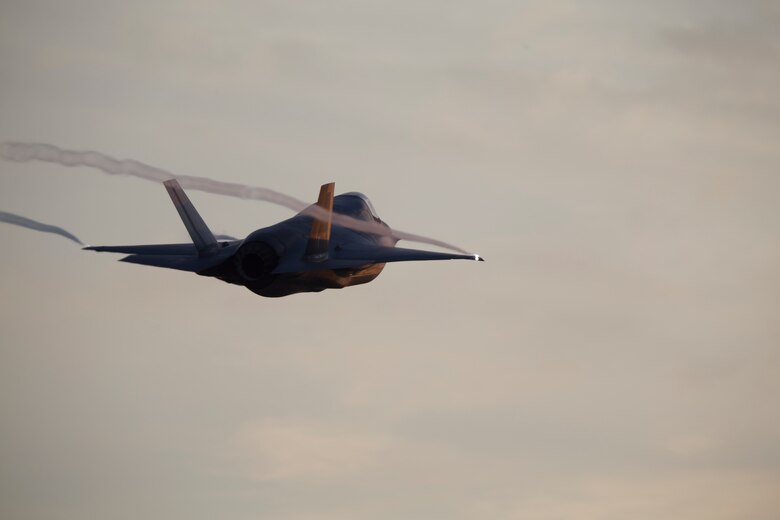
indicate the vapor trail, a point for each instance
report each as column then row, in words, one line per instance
column 19, row 220
column 24, row 152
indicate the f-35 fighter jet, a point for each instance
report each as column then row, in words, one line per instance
column 336, row 243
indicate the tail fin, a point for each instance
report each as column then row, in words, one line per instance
column 319, row 237
column 201, row 235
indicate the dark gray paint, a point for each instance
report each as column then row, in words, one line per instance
column 272, row 261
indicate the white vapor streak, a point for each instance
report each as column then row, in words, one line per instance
column 19, row 220
column 24, row 152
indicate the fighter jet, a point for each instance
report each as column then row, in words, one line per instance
column 309, row 252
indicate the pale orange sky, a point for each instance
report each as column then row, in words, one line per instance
column 615, row 357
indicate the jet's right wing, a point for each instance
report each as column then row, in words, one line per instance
column 183, row 257
column 150, row 249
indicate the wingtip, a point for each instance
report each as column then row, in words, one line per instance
column 478, row 258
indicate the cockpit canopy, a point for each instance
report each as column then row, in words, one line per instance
column 355, row 205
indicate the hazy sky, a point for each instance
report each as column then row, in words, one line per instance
column 615, row 357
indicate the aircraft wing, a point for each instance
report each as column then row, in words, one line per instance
column 153, row 249
column 346, row 257
column 183, row 257
column 382, row 254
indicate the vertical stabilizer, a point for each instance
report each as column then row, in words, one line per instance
column 201, row 235
column 319, row 237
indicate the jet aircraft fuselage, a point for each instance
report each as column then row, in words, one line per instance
column 259, row 254
column 306, row 253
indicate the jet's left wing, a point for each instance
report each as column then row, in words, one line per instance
column 380, row 254
column 345, row 257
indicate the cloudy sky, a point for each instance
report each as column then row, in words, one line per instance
column 616, row 357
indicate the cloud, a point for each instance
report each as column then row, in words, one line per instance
column 615, row 359
column 714, row 495
column 282, row 450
